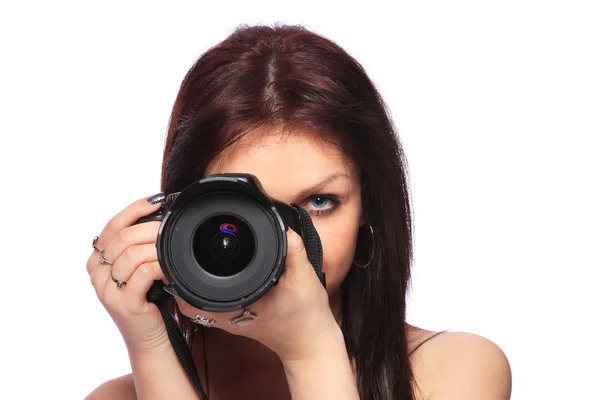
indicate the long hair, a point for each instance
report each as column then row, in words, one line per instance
column 288, row 77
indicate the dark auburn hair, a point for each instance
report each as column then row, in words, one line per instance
column 289, row 78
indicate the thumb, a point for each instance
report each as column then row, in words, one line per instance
column 297, row 266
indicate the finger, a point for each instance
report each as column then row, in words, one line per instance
column 93, row 262
column 221, row 319
column 130, row 236
column 296, row 262
column 99, row 277
column 126, row 237
column 140, row 282
column 131, row 258
column 125, row 218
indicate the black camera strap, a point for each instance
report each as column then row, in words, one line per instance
column 157, row 295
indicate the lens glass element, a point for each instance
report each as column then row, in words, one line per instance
column 223, row 245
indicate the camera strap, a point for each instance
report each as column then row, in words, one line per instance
column 157, row 295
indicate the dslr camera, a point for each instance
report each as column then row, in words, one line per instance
column 222, row 241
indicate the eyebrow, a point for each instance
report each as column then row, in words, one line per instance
column 316, row 188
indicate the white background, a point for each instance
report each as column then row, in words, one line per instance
column 497, row 105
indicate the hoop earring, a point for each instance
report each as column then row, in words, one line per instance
column 372, row 250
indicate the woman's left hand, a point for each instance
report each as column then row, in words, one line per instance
column 293, row 318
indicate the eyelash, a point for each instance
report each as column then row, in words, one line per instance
column 329, row 197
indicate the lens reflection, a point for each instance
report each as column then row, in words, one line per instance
column 223, row 245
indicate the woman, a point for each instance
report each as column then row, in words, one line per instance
column 294, row 109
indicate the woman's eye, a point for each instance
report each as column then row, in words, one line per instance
column 322, row 204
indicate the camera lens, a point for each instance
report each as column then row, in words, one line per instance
column 223, row 245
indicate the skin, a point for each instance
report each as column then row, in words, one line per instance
column 449, row 366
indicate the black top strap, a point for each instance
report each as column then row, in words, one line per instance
column 312, row 242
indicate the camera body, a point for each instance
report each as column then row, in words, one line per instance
column 222, row 242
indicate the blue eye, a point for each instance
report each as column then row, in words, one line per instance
column 321, row 204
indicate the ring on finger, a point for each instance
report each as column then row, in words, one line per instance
column 246, row 318
column 118, row 282
column 207, row 322
column 95, row 243
column 102, row 259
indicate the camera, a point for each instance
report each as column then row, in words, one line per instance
column 222, row 241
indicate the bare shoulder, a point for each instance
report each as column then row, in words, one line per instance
column 459, row 365
column 121, row 388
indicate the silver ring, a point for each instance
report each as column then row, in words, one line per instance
column 245, row 319
column 118, row 282
column 102, row 259
column 94, row 244
column 200, row 320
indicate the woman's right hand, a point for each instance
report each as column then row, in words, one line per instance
column 132, row 249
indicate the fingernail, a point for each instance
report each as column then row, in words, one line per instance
column 157, row 198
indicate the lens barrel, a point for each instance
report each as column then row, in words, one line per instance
column 222, row 244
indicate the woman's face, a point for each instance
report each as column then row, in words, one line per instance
column 314, row 174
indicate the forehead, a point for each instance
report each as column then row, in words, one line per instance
column 283, row 163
